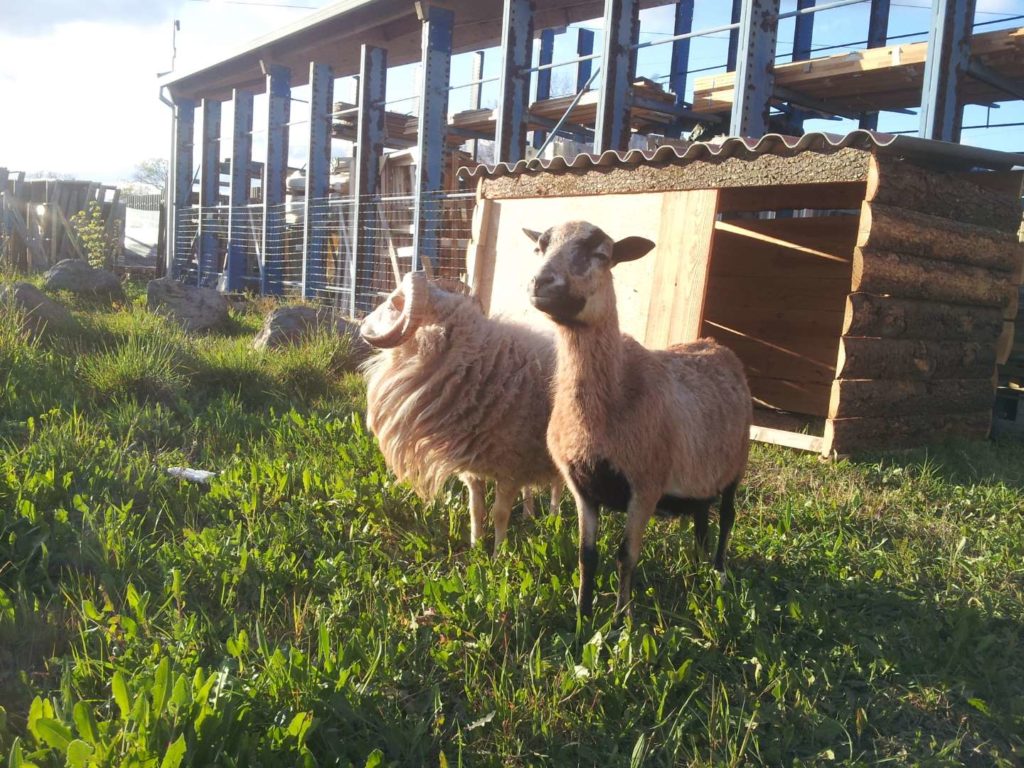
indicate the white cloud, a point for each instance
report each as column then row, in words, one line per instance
column 44, row 16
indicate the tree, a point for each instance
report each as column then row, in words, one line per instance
column 152, row 171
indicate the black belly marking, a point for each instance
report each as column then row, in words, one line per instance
column 601, row 484
column 677, row 506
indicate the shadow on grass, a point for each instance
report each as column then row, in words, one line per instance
column 959, row 462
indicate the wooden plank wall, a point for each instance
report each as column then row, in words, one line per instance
column 781, row 309
column 934, row 281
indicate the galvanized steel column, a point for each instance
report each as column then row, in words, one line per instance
column 241, row 159
column 209, row 190
column 318, row 173
column 681, row 50
column 584, row 47
column 755, row 68
column 622, row 31
column 803, row 31
column 514, row 86
column 181, row 173
column 546, row 56
column 949, row 55
column 275, row 171
column 878, row 34
column 373, row 69
column 432, row 126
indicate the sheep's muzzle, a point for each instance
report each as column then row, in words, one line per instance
column 553, row 297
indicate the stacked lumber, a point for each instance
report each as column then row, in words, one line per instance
column 889, row 77
column 934, row 295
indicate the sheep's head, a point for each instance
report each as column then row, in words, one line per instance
column 396, row 320
column 416, row 303
column 574, row 286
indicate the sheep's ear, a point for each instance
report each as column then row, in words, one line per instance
column 630, row 248
column 532, row 234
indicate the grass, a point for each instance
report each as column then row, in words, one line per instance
column 306, row 610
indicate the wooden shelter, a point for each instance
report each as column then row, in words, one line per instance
column 869, row 283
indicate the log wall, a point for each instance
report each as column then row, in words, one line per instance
column 934, row 286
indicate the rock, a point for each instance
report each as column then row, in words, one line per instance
column 289, row 325
column 41, row 314
column 78, row 277
column 195, row 309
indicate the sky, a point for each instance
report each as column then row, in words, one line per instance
column 78, row 80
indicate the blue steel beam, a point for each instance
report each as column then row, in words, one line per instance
column 318, row 175
column 584, row 47
column 681, row 50
column 181, row 174
column 949, row 55
column 438, row 24
column 622, row 32
column 241, row 157
column 514, row 88
column 475, row 95
column 547, row 55
column 275, row 171
column 734, row 36
column 803, row 32
column 373, row 72
column 878, row 35
column 209, row 190
column 755, row 68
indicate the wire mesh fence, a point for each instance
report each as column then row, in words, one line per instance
column 339, row 251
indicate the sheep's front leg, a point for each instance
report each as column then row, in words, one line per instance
column 588, row 552
column 477, row 506
column 529, row 505
column 556, row 495
column 504, row 496
column 639, row 512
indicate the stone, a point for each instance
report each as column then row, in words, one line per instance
column 194, row 308
column 289, row 325
column 79, row 277
column 40, row 313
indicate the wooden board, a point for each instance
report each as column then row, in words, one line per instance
column 889, row 77
column 895, row 318
column 899, row 359
column 806, row 397
column 913, row 277
column 786, row 438
column 872, row 397
column 839, row 195
column 681, row 274
column 887, row 228
column 886, row 432
column 641, row 286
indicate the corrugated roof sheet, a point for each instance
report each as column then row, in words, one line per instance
column 939, row 153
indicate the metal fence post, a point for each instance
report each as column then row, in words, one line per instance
column 878, row 34
column 241, row 158
column 181, row 174
column 546, row 56
column 432, row 125
column 209, row 189
column 514, row 87
column 275, row 171
column 373, row 69
column 318, row 172
column 755, row 68
column 949, row 55
column 622, row 32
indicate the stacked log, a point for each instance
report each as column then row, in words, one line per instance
column 934, row 295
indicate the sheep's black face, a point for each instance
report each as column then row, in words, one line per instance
column 574, row 285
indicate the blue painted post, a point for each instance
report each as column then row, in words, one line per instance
column 318, row 176
column 584, row 47
column 803, row 31
column 475, row 95
column 373, row 70
column 949, row 55
column 275, row 172
column 209, row 190
column 755, row 68
column 878, row 34
column 734, row 36
column 547, row 55
column 181, row 174
column 681, row 50
column 514, row 87
column 432, row 125
column 622, row 31
column 241, row 157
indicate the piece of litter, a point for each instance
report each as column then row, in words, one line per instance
column 192, row 475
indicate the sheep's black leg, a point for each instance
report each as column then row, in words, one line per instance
column 588, row 554
column 726, row 517
column 701, row 548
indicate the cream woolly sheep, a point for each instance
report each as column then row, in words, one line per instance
column 454, row 392
column 634, row 429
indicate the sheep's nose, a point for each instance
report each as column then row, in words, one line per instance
column 544, row 284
